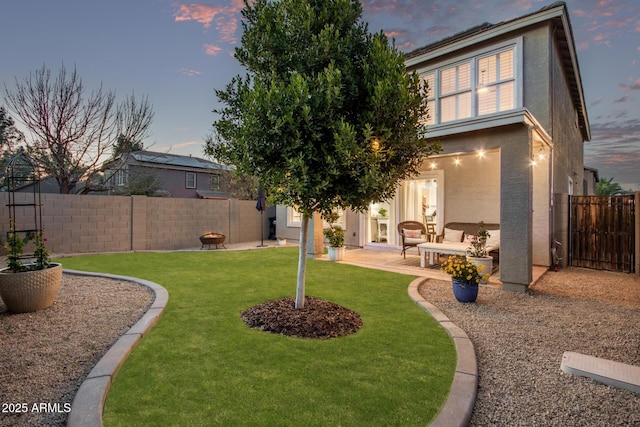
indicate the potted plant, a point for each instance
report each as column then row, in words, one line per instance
column 335, row 235
column 477, row 250
column 282, row 241
column 28, row 287
column 465, row 277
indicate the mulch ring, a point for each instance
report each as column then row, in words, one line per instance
column 317, row 319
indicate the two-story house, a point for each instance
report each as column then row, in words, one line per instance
column 507, row 105
column 168, row 175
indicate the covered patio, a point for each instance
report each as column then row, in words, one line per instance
column 390, row 259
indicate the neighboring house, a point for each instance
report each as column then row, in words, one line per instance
column 169, row 175
column 507, row 105
column 590, row 181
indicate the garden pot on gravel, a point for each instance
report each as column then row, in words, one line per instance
column 30, row 291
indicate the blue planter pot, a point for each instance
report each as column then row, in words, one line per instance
column 464, row 291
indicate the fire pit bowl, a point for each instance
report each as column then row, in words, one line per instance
column 212, row 239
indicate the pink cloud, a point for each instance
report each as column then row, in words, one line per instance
column 633, row 86
column 211, row 49
column 201, row 13
column 227, row 27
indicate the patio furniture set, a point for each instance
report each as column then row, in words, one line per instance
column 453, row 241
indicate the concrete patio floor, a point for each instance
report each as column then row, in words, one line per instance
column 388, row 258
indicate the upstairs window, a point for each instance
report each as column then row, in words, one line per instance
column 496, row 83
column 455, row 93
column 430, row 80
column 214, row 182
column 479, row 84
column 121, row 177
column 190, row 180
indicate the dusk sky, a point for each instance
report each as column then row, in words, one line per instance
column 178, row 53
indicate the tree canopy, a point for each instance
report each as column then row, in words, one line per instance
column 327, row 115
column 606, row 187
column 71, row 131
column 10, row 139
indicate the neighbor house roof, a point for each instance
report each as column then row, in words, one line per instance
column 166, row 159
column 556, row 13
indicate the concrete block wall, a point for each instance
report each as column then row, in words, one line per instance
column 89, row 223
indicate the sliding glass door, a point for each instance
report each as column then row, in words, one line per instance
column 420, row 199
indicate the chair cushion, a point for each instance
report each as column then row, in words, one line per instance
column 452, row 236
column 413, row 234
column 413, row 241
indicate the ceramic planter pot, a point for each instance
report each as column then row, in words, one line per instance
column 464, row 291
column 30, row 291
column 487, row 261
column 336, row 253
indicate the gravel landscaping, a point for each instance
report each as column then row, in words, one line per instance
column 519, row 340
column 47, row 354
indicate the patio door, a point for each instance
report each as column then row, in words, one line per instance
column 420, row 199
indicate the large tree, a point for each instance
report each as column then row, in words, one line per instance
column 326, row 117
column 72, row 131
column 10, row 139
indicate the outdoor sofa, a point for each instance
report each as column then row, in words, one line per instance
column 455, row 241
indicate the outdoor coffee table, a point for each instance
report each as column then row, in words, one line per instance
column 439, row 248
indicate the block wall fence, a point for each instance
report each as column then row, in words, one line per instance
column 89, row 223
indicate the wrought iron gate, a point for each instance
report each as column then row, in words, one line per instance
column 602, row 234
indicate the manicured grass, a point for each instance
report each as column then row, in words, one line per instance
column 201, row 365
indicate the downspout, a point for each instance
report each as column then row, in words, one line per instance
column 552, row 158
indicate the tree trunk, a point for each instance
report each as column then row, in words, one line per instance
column 302, row 261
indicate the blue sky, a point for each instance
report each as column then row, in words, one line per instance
column 177, row 53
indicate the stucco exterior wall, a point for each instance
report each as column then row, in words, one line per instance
column 88, row 223
column 536, row 74
column 472, row 188
column 568, row 143
column 541, row 210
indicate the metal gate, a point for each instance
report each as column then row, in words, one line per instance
column 602, row 234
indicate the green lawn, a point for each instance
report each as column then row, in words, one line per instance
column 201, row 365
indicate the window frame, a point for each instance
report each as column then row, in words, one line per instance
column 435, row 97
column 195, row 180
column 120, row 178
column 214, row 182
column 294, row 218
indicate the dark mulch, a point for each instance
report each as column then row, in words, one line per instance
column 317, row 319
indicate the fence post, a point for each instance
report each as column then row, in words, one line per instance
column 637, row 232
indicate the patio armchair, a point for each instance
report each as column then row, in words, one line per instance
column 412, row 233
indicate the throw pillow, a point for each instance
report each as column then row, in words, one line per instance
column 412, row 234
column 452, row 236
column 494, row 239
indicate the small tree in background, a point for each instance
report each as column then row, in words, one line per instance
column 72, row 132
column 327, row 116
column 606, row 187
